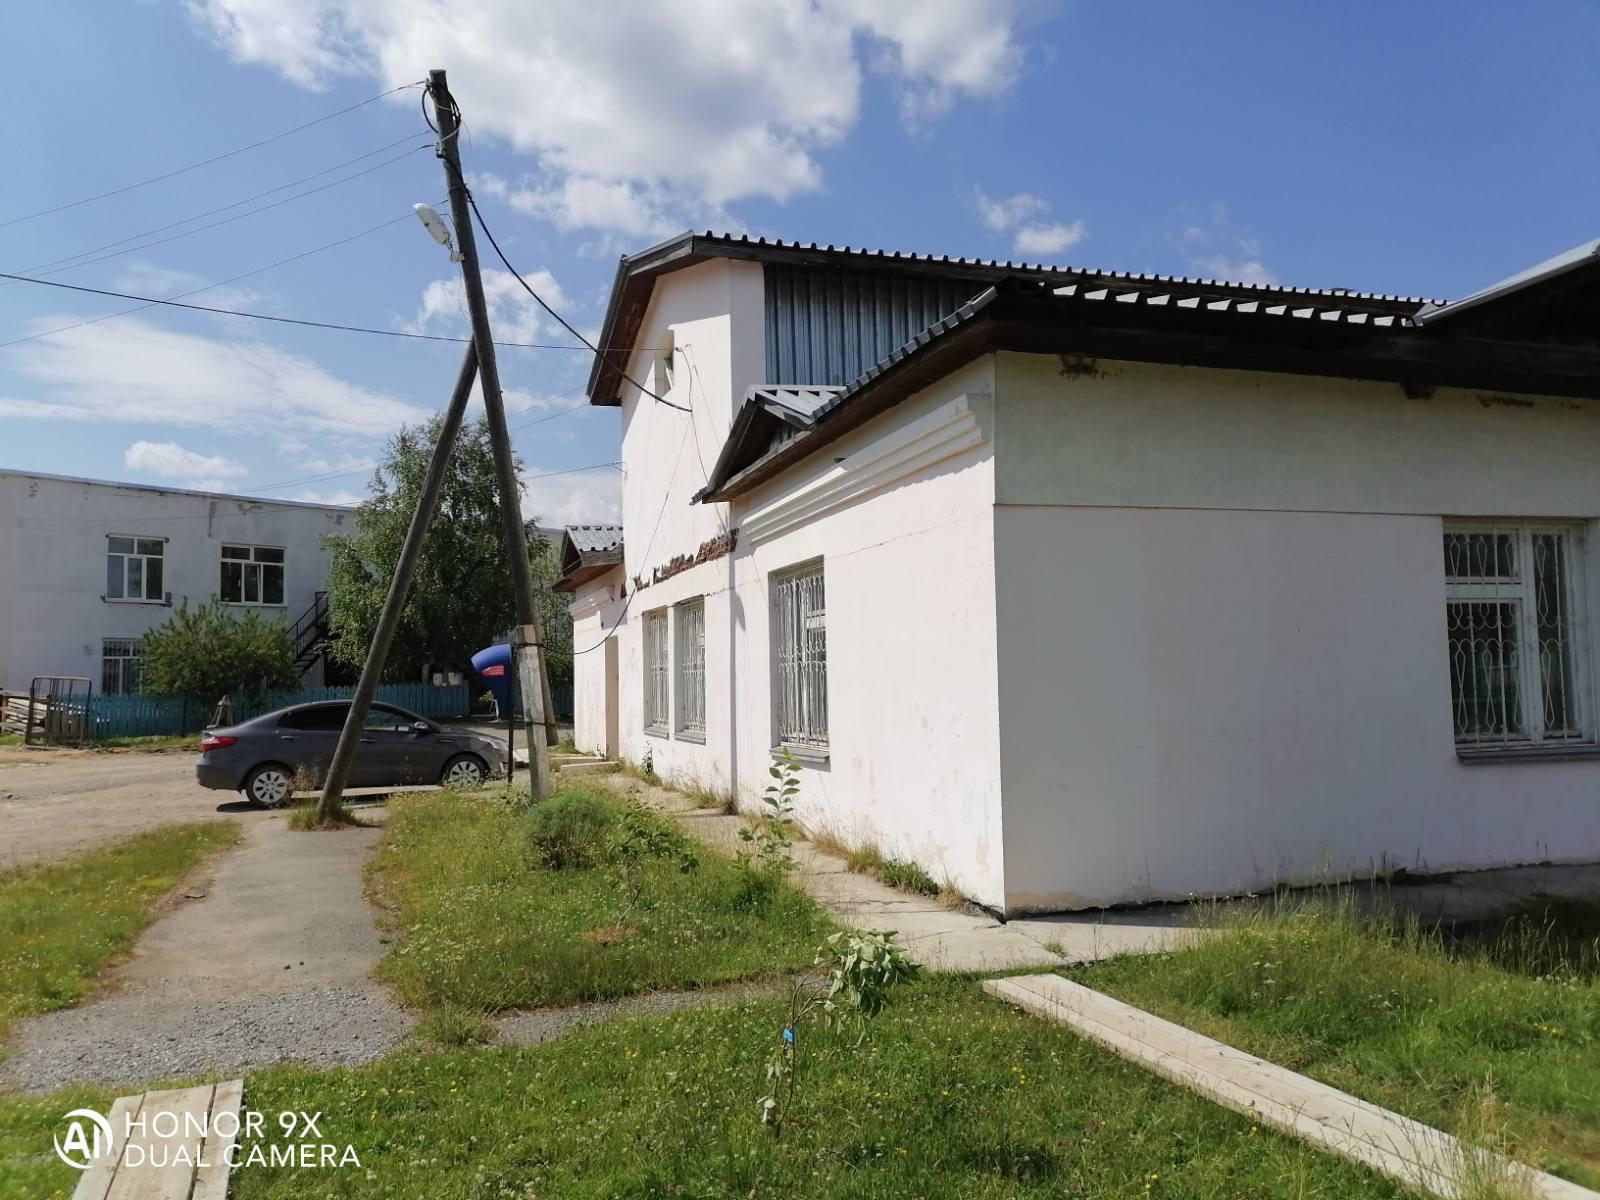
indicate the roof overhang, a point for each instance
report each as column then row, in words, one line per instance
column 1164, row 325
column 1566, row 269
column 590, row 569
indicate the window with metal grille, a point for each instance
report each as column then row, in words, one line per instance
column 133, row 567
column 1518, row 634
column 657, row 672
column 121, row 666
column 800, row 658
column 690, row 637
column 252, row 575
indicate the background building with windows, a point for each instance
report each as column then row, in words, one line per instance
column 1082, row 588
column 87, row 567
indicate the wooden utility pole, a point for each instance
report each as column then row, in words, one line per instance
column 531, row 666
column 394, row 600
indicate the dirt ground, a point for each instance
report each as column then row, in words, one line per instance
column 57, row 802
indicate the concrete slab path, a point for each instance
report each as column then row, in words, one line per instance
column 1413, row 1153
column 266, row 960
column 939, row 937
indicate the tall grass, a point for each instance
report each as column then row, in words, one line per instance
column 486, row 924
column 1417, row 1019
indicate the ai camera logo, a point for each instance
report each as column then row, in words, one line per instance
column 88, row 1136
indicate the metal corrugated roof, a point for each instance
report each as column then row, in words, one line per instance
column 802, row 401
column 594, row 539
column 1578, row 257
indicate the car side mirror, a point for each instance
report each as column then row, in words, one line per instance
column 421, row 727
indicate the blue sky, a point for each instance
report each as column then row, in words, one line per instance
column 1424, row 149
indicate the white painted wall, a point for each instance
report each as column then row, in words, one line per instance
column 53, row 563
column 1222, row 629
column 594, row 609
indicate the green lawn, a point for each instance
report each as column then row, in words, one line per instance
column 60, row 923
column 480, row 925
column 952, row 1095
column 1496, row 1039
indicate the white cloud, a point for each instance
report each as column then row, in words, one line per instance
column 169, row 460
column 514, row 315
column 1214, row 247
column 134, row 372
column 574, row 499
column 689, row 103
column 1042, row 241
column 1021, row 216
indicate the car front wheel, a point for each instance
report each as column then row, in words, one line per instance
column 464, row 771
column 268, row 786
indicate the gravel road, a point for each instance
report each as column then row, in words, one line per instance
column 57, row 802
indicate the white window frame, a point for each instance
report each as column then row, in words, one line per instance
column 1524, row 649
column 799, row 659
column 140, row 552
column 689, row 668
column 657, row 673
column 128, row 656
column 252, row 567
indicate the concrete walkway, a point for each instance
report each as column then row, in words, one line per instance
column 1415, row 1154
column 938, row 937
column 266, row 960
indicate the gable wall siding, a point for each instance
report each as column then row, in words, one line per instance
column 827, row 327
column 1222, row 640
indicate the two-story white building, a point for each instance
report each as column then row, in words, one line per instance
column 88, row 567
column 1084, row 588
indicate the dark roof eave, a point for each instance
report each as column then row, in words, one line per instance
column 592, row 567
column 1057, row 325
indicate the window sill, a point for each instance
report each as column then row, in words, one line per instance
column 698, row 739
column 815, row 755
column 162, row 603
column 1527, row 753
column 657, row 732
column 250, row 604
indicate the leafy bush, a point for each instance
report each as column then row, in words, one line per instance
column 208, row 653
column 571, row 829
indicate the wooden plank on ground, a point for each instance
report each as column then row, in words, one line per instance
column 95, row 1183
column 1416, row 1154
column 211, row 1180
column 162, row 1168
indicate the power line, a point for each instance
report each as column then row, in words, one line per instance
column 562, row 321
column 67, row 263
column 44, row 212
column 173, row 302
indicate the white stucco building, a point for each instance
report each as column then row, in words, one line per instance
column 88, row 567
column 1082, row 588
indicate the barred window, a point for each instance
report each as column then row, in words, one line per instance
column 657, row 669
column 690, row 636
column 121, row 666
column 800, row 658
column 133, row 567
column 1518, row 635
column 252, row 575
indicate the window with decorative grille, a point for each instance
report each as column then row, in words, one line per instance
column 690, row 637
column 800, row 658
column 657, row 671
column 1518, row 634
column 121, row 666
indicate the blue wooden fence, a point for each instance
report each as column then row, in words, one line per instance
column 150, row 716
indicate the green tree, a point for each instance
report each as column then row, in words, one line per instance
column 461, row 598
column 208, row 653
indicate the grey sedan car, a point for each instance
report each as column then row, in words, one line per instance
column 271, row 756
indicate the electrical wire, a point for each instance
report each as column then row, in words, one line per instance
column 44, row 212
column 560, row 320
column 174, row 302
column 49, row 268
